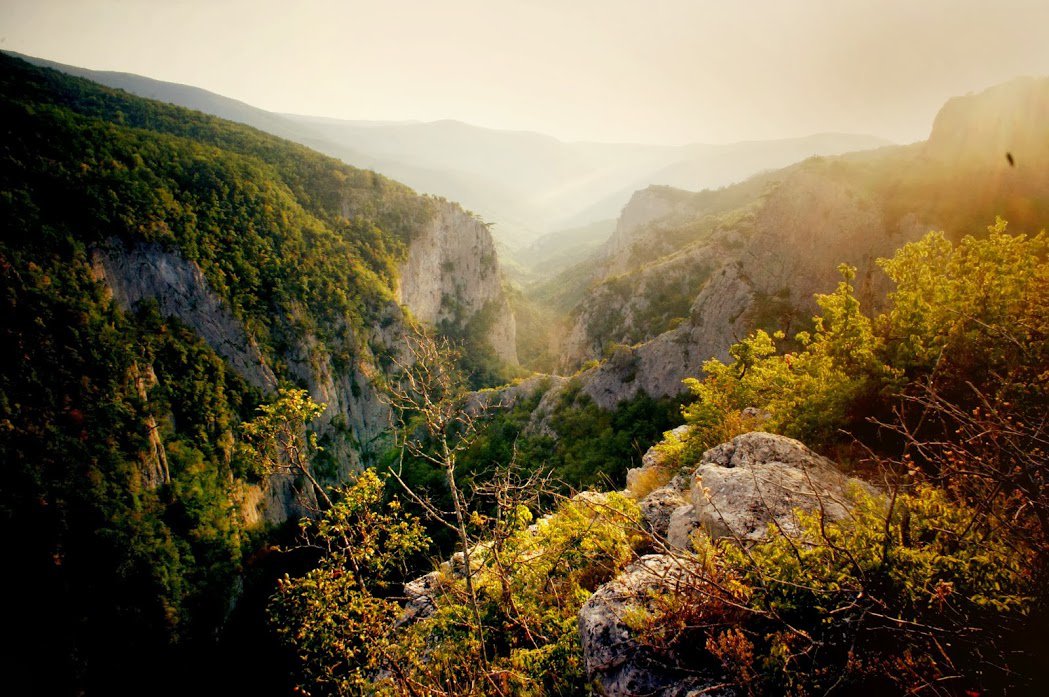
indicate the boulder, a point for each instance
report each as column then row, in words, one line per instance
column 420, row 598
column 657, row 508
column 760, row 478
column 616, row 662
column 680, row 527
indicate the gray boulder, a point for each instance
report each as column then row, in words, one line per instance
column 658, row 507
column 420, row 598
column 680, row 527
column 760, row 478
column 616, row 662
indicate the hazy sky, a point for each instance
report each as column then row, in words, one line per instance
column 659, row 71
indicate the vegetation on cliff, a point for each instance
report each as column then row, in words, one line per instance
column 131, row 510
column 933, row 582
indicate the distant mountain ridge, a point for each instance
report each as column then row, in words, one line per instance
column 685, row 274
column 527, row 184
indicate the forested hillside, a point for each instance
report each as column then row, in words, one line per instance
column 163, row 272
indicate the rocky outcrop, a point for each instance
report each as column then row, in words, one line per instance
column 981, row 128
column 451, row 274
column 758, row 479
column 741, row 487
column 649, row 210
column 615, row 660
column 420, row 597
column 736, row 491
column 154, row 460
column 149, row 272
column 760, row 265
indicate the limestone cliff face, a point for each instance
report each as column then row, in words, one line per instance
column 180, row 289
column 451, row 274
column 148, row 272
column 759, row 265
column 1008, row 118
column 648, row 210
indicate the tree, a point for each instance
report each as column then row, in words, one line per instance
column 339, row 618
column 279, row 441
column 437, row 424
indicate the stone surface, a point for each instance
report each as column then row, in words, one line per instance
column 653, row 457
column 148, row 272
column 736, row 490
column 763, row 246
column 420, row 598
column 614, row 659
column 452, row 274
column 657, row 508
column 758, row 478
column 682, row 524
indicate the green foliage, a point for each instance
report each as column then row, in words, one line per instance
column 974, row 312
column 276, row 438
column 336, row 617
column 342, row 624
column 966, row 316
column 477, row 359
column 598, row 445
column 899, row 594
column 530, row 587
column 122, row 559
column 807, row 395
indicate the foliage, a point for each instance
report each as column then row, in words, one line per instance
column 809, row 394
column 121, row 560
column 903, row 594
column 337, row 618
column 277, row 439
column 530, row 586
column 976, row 312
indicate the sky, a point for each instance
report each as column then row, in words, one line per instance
column 654, row 71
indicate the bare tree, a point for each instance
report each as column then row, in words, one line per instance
column 437, row 424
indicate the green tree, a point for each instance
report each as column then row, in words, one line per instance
column 279, row 440
column 338, row 618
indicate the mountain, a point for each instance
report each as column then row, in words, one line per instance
column 163, row 273
column 527, row 184
column 685, row 275
column 530, row 184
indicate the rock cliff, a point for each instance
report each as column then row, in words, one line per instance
column 451, row 274
column 686, row 275
column 450, row 277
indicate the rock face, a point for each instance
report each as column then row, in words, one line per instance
column 148, row 272
column 742, row 486
column 1007, row 118
column 677, row 304
column 614, row 659
column 736, row 491
column 452, row 275
column 419, row 598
